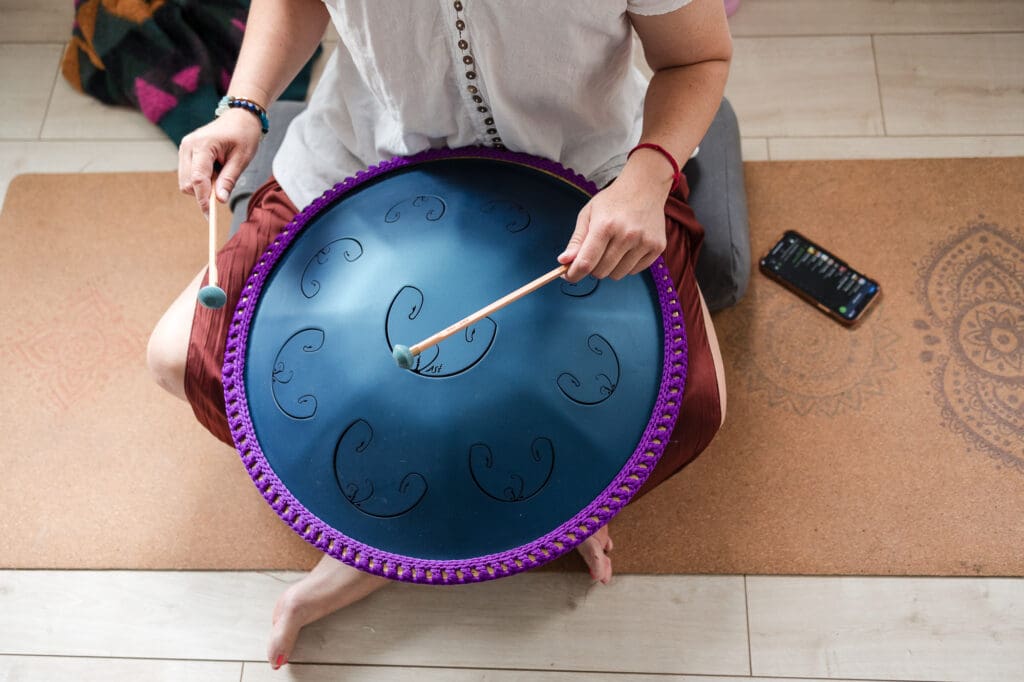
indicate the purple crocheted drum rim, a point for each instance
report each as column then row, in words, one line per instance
column 557, row 542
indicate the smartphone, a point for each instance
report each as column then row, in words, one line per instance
column 818, row 277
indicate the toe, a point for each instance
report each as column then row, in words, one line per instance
column 604, row 539
column 602, row 572
column 593, row 553
column 282, row 640
column 285, row 629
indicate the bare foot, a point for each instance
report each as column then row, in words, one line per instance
column 330, row 586
column 594, row 551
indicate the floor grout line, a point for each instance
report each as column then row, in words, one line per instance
column 63, row 40
column 878, row 88
column 924, row 137
column 155, row 659
column 49, row 100
column 862, row 34
column 16, row 43
column 386, row 666
column 752, row 138
column 104, row 140
column 942, row 136
column 746, row 610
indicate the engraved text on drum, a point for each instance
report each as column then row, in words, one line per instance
column 347, row 248
column 452, row 356
column 597, row 377
column 582, row 288
column 291, row 366
column 372, row 486
column 512, row 477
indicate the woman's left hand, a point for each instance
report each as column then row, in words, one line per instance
column 621, row 230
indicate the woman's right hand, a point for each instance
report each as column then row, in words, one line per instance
column 229, row 141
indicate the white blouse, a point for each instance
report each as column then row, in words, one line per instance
column 552, row 78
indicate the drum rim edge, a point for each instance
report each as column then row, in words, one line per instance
column 555, row 543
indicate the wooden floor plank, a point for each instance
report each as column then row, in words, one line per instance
column 892, row 147
column 71, row 669
column 952, row 84
column 261, row 672
column 955, row 629
column 787, row 87
column 548, row 621
column 858, row 17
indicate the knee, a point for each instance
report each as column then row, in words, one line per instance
column 165, row 359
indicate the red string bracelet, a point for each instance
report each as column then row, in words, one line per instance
column 677, row 176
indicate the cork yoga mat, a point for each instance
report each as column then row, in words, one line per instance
column 896, row 448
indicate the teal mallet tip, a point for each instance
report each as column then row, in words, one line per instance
column 212, row 297
column 403, row 356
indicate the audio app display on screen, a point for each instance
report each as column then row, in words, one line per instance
column 827, row 279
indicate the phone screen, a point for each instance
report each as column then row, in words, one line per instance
column 820, row 275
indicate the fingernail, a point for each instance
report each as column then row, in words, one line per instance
column 223, row 194
column 280, row 661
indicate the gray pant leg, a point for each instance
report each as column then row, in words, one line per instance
column 259, row 169
column 719, row 200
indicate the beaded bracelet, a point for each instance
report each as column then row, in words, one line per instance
column 229, row 102
column 677, row 176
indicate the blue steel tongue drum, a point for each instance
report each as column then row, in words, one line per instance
column 502, row 447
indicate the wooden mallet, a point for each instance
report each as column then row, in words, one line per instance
column 404, row 355
column 212, row 296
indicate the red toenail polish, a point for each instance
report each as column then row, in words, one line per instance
column 280, row 660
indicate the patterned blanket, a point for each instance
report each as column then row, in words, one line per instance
column 170, row 59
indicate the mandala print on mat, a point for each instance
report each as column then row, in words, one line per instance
column 805, row 363
column 972, row 288
column 71, row 351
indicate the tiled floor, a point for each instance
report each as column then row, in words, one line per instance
column 811, row 79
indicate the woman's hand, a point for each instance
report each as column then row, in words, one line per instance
column 230, row 141
column 621, row 230
column 280, row 36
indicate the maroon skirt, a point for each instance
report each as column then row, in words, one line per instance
column 270, row 210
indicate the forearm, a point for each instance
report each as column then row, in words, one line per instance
column 280, row 37
column 690, row 50
column 681, row 102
